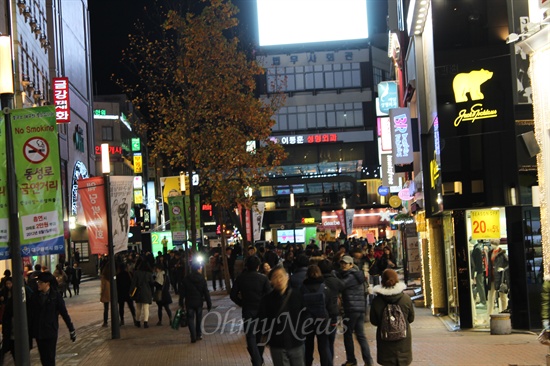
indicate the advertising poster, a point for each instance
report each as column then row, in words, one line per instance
column 4, row 211
column 92, row 197
column 177, row 220
column 257, row 219
column 37, row 169
column 121, row 200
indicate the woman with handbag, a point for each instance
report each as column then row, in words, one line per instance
column 162, row 293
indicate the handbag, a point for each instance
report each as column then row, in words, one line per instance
column 183, row 319
column 134, row 293
column 544, row 337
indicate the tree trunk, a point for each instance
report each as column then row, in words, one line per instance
column 226, row 277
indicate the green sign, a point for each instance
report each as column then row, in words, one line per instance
column 197, row 211
column 136, row 144
column 36, row 153
column 177, row 221
column 4, row 211
column 157, row 238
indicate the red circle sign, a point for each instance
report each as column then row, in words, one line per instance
column 36, row 150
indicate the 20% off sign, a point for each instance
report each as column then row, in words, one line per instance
column 485, row 224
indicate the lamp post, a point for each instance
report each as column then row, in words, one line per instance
column 292, row 204
column 345, row 206
column 20, row 328
column 106, row 169
column 183, row 188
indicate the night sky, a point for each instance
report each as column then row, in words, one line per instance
column 112, row 21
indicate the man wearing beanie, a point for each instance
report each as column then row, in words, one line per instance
column 390, row 291
column 353, row 298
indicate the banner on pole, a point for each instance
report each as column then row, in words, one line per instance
column 4, row 210
column 36, row 152
column 92, row 197
column 122, row 190
column 257, row 219
column 177, row 221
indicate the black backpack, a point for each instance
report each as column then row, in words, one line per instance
column 393, row 326
column 314, row 301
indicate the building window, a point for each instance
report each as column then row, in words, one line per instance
column 378, row 75
column 320, row 116
column 107, row 133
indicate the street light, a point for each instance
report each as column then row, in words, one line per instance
column 106, row 169
column 292, row 204
column 344, row 206
column 20, row 328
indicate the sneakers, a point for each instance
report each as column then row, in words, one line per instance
column 349, row 363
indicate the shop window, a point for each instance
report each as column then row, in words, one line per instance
column 83, row 248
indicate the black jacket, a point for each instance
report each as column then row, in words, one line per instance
column 353, row 295
column 123, row 282
column 194, row 290
column 336, row 287
column 248, row 290
column 283, row 327
column 44, row 318
column 331, row 299
column 297, row 278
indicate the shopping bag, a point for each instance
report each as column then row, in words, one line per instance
column 183, row 319
column 177, row 319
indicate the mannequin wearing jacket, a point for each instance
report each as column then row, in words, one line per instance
column 478, row 271
column 498, row 274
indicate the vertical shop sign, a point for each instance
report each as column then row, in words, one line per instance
column 257, row 219
column 387, row 96
column 61, row 99
column 92, row 198
column 37, row 169
column 4, row 211
column 138, row 164
column 402, row 138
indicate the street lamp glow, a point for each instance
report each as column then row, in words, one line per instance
column 182, row 181
column 344, row 204
column 292, row 200
column 105, row 160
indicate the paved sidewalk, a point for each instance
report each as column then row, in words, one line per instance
column 433, row 344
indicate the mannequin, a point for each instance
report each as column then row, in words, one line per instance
column 478, row 272
column 498, row 266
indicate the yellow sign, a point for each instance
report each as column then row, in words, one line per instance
column 476, row 112
column 171, row 187
column 470, row 83
column 395, row 201
column 485, row 224
column 434, row 171
column 138, row 164
column 138, row 196
column 308, row 220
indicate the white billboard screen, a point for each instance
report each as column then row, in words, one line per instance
column 283, row 22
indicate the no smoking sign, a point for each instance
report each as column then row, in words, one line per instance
column 36, row 150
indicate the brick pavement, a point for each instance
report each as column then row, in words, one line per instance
column 433, row 344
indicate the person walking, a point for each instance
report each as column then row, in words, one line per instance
column 46, row 305
column 62, row 280
column 216, row 269
column 6, row 299
column 336, row 287
column 123, row 283
column 77, row 277
column 318, row 302
column 390, row 291
column 247, row 292
column 194, row 291
column 162, row 293
column 105, row 292
column 353, row 298
column 281, row 322
column 142, row 282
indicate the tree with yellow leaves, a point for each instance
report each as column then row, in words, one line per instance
column 197, row 85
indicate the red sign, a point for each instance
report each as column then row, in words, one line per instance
column 61, row 99
column 92, row 196
column 112, row 150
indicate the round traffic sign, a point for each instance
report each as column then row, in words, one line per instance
column 36, row 150
column 176, row 210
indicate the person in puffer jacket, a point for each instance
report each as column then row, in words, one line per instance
column 353, row 298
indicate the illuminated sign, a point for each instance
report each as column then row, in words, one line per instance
column 387, row 96
column 136, row 144
column 112, row 150
column 138, row 196
column 138, row 164
column 61, row 99
column 470, row 83
column 385, row 133
column 308, row 220
column 476, row 112
column 102, row 114
column 388, row 172
column 485, row 224
column 138, row 182
column 355, row 136
column 434, row 172
column 402, row 138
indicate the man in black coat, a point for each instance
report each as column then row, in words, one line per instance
column 247, row 292
column 45, row 307
column 336, row 287
column 195, row 290
column 354, row 309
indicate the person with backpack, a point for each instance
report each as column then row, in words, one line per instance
column 392, row 312
column 317, row 301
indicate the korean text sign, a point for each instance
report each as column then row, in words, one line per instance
column 37, row 169
column 61, row 99
column 92, row 197
column 4, row 210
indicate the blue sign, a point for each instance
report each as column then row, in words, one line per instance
column 383, row 190
column 387, row 96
